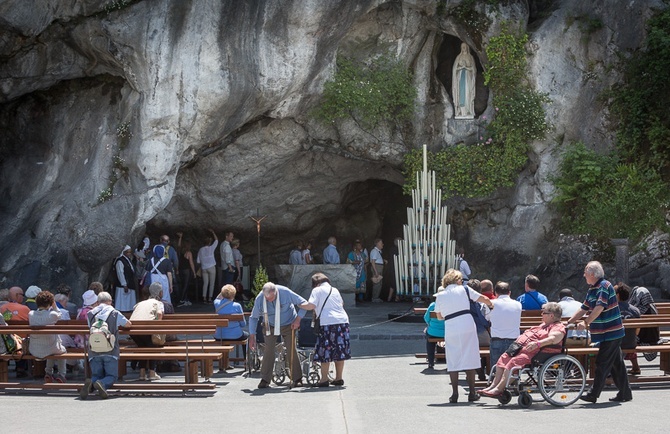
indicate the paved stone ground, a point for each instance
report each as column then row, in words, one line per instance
column 386, row 390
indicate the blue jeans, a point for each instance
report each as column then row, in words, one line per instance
column 105, row 369
column 497, row 348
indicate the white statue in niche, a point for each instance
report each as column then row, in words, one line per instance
column 463, row 84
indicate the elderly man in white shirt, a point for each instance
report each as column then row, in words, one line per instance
column 576, row 338
column 505, row 321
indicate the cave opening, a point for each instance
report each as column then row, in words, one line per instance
column 448, row 50
column 370, row 209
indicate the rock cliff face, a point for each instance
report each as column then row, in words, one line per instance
column 133, row 116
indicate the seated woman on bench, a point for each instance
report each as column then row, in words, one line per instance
column 224, row 304
column 547, row 337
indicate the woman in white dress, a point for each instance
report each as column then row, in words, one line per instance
column 460, row 332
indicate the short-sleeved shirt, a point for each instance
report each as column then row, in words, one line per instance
column 608, row 326
column 329, row 305
column 12, row 310
column 287, row 314
column 234, row 329
column 532, row 300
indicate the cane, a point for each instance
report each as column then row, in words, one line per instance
column 291, row 357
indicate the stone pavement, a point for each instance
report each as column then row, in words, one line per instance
column 386, row 390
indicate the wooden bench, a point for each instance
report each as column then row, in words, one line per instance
column 212, row 317
column 207, row 364
column 143, row 328
column 582, row 353
column 155, row 387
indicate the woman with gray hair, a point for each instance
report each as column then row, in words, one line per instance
column 149, row 309
column 547, row 337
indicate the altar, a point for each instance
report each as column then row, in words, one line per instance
column 299, row 279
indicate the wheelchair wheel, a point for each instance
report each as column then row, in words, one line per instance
column 562, row 380
column 313, row 378
column 525, row 400
column 279, row 374
column 505, row 398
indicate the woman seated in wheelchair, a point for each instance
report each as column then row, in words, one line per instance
column 547, row 338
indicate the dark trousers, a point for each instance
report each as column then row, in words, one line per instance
column 244, row 336
column 145, row 341
column 430, row 349
column 185, row 281
column 610, row 360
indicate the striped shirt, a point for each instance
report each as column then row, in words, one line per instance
column 608, row 326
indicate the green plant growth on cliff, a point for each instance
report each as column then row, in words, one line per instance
column 260, row 279
column 381, row 91
column 600, row 196
column 519, row 118
column 119, row 167
column 475, row 22
column 640, row 101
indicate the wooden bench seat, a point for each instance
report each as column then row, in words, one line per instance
column 191, row 360
column 209, row 342
column 174, row 327
column 154, row 386
column 582, row 353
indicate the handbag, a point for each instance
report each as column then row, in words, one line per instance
column 158, row 339
column 514, row 349
column 316, row 321
column 14, row 344
column 477, row 315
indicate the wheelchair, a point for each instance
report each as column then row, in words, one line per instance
column 305, row 348
column 558, row 378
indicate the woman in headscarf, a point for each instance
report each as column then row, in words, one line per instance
column 125, row 281
column 159, row 269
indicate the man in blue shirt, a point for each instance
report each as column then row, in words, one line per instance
column 532, row 300
column 276, row 307
column 330, row 254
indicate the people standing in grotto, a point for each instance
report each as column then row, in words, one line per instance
column 330, row 253
column 125, row 281
column 307, row 254
column 208, row 266
column 295, row 257
column 227, row 259
column 377, row 263
column 186, row 270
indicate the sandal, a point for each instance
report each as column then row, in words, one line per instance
column 453, row 399
column 634, row 372
column 473, row 397
column 154, row 377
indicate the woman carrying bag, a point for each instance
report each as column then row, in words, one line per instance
column 332, row 340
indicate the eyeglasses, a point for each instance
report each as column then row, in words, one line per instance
column 545, row 313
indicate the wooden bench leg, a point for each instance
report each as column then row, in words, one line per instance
column 191, row 371
column 665, row 362
column 208, row 368
column 4, row 371
column 39, row 368
column 122, row 368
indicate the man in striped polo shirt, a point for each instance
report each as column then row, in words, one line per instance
column 607, row 330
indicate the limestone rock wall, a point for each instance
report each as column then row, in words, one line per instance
column 185, row 115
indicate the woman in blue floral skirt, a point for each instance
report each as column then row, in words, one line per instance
column 332, row 341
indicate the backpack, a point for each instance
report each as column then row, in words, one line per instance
column 477, row 314
column 100, row 339
column 11, row 344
